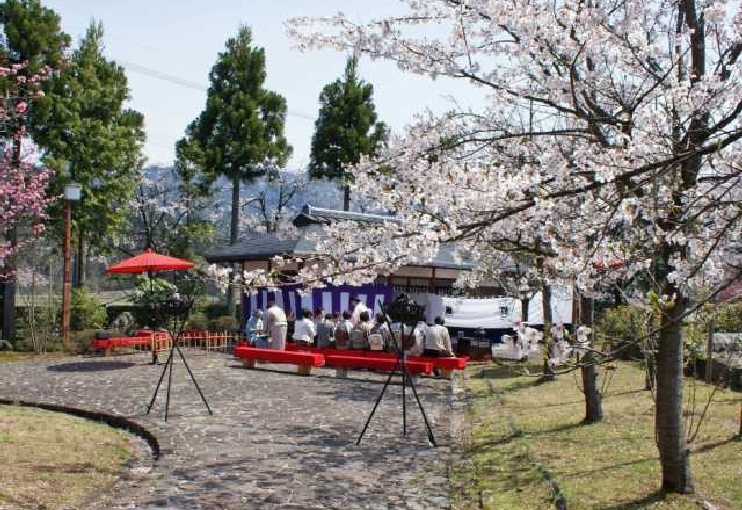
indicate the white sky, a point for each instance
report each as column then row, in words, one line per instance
column 182, row 39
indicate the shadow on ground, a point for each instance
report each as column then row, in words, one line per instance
column 638, row 504
column 91, row 366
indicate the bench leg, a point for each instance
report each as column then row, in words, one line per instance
column 248, row 363
column 446, row 373
column 341, row 373
column 107, row 353
column 305, row 370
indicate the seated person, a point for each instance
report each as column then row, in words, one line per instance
column 255, row 329
column 359, row 333
column 325, row 330
column 437, row 342
column 382, row 328
column 304, row 330
column 342, row 332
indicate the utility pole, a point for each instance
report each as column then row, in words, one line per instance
column 71, row 193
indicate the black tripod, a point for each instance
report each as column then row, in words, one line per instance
column 175, row 312
column 401, row 368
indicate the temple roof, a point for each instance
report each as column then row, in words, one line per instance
column 309, row 221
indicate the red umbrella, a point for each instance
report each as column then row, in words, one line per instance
column 150, row 261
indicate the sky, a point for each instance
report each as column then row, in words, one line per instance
column 181, row 39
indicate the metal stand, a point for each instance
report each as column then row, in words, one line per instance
column 178, row 313
column 406, row 378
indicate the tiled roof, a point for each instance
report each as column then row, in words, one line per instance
column 265, row 246
column 258, row 247
column 318, row 216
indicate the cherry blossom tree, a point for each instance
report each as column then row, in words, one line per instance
column 272, row 205
column 632, row 153
column 168, row 215
column 23, row 185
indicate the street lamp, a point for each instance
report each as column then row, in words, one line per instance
column 72, row 192
column 523, row 290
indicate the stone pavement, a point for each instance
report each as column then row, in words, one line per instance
column 276, row 440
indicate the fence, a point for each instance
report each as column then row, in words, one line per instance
column 210, row 341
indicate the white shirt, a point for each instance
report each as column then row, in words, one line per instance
column 357, row 311
column 274, row 316
column 304, row 330
column 436, row 338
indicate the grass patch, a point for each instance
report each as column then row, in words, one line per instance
column 57, row 461
column 521, row 429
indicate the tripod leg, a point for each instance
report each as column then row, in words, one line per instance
column 162, row 376
column 194, row 380
column 431, row 438
column 404, row 399
column 378, row 400
column 169, row 383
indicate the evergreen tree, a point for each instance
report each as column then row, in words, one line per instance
column 32, row 34
column 239, row 134
column 346, row 128
column 88, row 135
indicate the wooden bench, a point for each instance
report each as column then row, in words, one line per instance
column 305, row 361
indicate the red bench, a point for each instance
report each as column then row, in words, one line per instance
column 306, row 361
column 445, row 364
column 385, row 363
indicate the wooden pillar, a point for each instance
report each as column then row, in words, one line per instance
column 407, row 284
column 431, row 283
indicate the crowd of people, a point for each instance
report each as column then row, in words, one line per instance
column 350, row 330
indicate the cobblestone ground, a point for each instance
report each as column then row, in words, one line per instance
column 275, row 440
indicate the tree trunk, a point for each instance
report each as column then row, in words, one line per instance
column 590, row 377
column 591, row 385
column 548, row 372
column 524, row 310
column 233, row 235
column 710, row 352
column 346, row 198
column 671, row 440
column 9, row 287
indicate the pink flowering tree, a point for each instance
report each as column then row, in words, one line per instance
column 23, row 185
column 630, row 152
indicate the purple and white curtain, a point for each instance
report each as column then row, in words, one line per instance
column 331, row 298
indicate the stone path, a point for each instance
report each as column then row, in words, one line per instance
column 275, row 441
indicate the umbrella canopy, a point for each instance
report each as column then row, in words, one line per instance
column 150, row 261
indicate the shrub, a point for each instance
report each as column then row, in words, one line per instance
column 728, row 317
column 214, row 311
column 226, row 323
column 87, row 311
column 197, row 321
column 621, row 325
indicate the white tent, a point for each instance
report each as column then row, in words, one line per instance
column 499, row 313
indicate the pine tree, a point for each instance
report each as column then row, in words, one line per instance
column 82, row 123
column 346, row 128
column 239, row 134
